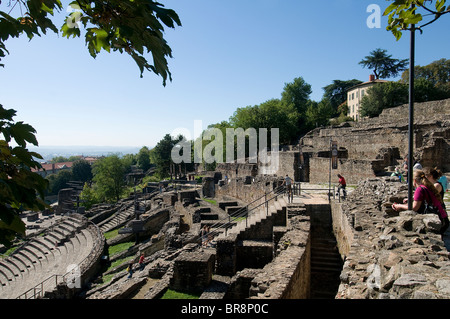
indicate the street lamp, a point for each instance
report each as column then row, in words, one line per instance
column 411, row 117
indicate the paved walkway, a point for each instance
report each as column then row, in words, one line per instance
column 316, row 193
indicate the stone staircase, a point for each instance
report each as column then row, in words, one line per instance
column 29, row 268
column 326, row 266
column 255, row 217
column 118, row 219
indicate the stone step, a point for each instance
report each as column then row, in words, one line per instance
column 225, row 204
column 209, row 216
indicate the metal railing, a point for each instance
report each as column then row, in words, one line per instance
column 39, row 290
column 245, row 212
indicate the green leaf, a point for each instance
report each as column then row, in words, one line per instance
column 16, row 225
column 440, row 5
column 23, row 133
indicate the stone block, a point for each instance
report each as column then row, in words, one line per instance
column 192, row 271
column 225, row 204
column 226, row 255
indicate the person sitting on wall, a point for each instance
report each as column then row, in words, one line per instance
column 433, row 175
column 425, row 191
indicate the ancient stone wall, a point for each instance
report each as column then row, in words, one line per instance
column 352, row 169
column 240, row 188
column 376, row 143
column 288, row 275
column 389, row 255
column 233, row 170
column 288, row 163
column 193, row 271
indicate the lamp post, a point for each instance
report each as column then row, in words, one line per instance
column 411, row 117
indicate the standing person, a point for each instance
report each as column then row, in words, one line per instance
column 425, row 192
column 288, row 182
column 342, row 185
column 444, row 182
column 141, row 262
column 433, row 175
column 417, row 165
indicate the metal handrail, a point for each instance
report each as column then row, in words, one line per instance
column 40, row 291
column 244, row 212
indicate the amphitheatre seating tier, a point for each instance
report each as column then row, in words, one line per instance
column 41, row 262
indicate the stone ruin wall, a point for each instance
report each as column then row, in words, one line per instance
column 288, row 275
column 353, row 170
column 247, row 189
column 389, row 255
column 374, row 144
column 366, row 148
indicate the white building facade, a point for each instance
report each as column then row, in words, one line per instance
column 355, row 95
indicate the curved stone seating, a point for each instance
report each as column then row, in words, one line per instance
column 40, row 263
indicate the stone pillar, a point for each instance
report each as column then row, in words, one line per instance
column 65, row 203
column 208, row 187
column 226, row 255
column 192, row 271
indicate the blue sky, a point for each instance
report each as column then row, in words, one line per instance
column 226, row 55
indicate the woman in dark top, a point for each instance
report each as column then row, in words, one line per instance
column 433, row 176
column 425, row 192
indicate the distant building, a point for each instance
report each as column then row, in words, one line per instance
column 54, row 168
column 355, row 95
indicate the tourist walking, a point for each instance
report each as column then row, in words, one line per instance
column 342, row 185
column 141, row 262
column 288, row 182
column 130, row 270
column 425, row 192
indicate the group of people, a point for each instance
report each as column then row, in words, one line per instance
column 205, row 235
column 430, row 188
column 130, row 269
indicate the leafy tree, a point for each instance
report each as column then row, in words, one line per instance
column 425, row 90
column 109, row 177
column 437, row 72
column 161, row 154
column 336, row 93
column 20, row 188
column 382, row 96
column 59, row 181
column 89, row 196
column 383, row 65
column 61, row 159
column 135, row 27
column 270, row 114
column 297, row 94
column 128, row 161
column 82, row 171
column 143, row 158
column 404, row 13
column 319, row 113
